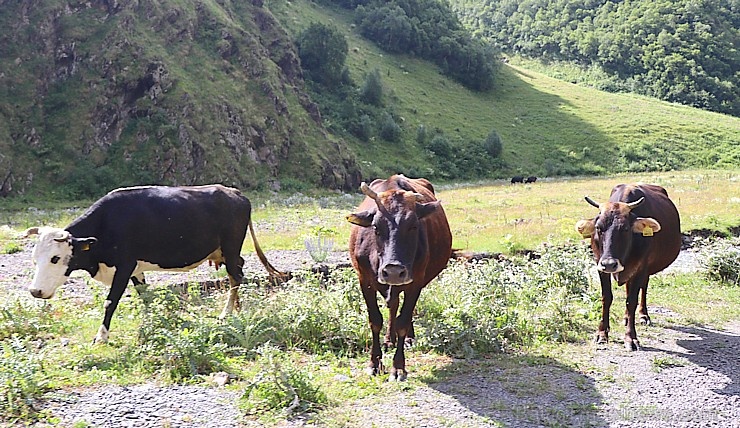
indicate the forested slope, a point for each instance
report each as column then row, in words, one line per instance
column 681, row 51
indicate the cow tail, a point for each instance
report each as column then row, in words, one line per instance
column 275, row 274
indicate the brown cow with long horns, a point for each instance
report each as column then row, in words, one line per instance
column 400, row 241
column 636, row 234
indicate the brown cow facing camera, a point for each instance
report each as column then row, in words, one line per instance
column 400, row 241
column 637, row 233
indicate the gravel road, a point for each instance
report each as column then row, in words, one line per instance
column 686, row 376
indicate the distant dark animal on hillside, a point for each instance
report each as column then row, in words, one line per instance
column 137, row 229
column 517, row 179
column 531, row 179
column 400, row 241
column 637, row 233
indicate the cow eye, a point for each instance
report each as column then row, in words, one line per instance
column 55, row 259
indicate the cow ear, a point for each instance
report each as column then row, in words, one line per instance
column 362, row 218
column 586, row 228
column 423, row 210
column 84, row 244
column 31, row 231
column 646, row 226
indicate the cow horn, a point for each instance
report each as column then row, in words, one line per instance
column 64, row 236
column 419, row 197
column 591, row 202
column 633, row 205
column 368, row 191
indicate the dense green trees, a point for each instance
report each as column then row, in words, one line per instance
column 323, row 51
column 428, row 29
column 682, row 51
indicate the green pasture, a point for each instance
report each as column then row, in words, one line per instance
column 496, row 216
column 490, row 216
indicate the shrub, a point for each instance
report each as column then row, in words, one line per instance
column 323, row 51
column 440, row 146
column 21, row 380
column 319, row 314
column 372, row 90
column 721, row 260
column 506, row 304
column 493, row 145
column 180, row 344
column 319, row 243
column 365, row 128
column 23, row 319
column 421, row 135
column 280, row 386
column 389, row 129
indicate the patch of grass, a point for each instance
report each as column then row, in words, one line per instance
column 662, row 362
column 678, row 292
column 487, row 216
column 483, row 215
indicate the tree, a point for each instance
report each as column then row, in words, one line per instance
column 372, row 90
column 389, row 129
column 323, row 51
column 493, row 145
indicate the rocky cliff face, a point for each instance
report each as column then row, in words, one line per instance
column 100, row 94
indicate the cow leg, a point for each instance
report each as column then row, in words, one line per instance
column 642, row 307
column 118, row 287
column 390, row 335
column 633, row 291
column 602, row 336
column 234, row 270
column 403, row 326
column 410, row 336
column 140, row 284
column 375, row 365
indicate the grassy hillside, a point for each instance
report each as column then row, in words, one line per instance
column 96, row 96
column 548, row 126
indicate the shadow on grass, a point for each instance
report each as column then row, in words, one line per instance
column 522, row 391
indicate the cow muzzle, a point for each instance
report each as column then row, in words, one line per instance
column 610, row 265
column 394, row 274
column 39, row 294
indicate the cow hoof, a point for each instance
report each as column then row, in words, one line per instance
column 601, row 339
column 398, row 376
column 632, row 345
column 409, row 342
column 101, row 337
column 645, row 320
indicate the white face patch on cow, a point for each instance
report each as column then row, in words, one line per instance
column 51, row 255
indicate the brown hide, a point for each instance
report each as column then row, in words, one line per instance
column 399, row 201
column 655, row 253
column 623, row 253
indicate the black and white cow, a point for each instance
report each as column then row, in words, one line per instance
column 137, row 229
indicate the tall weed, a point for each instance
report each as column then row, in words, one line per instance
column 492, row 305
column 280, row 386
column 22, row 380
column 181, row 344
column 25, row 319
